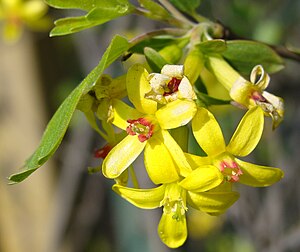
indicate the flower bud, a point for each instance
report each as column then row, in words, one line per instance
column 193, row 65
column 171, row 53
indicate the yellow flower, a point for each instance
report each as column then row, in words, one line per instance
column 99, row 100
column 247, row 93
column 15, row 13
column 174, row 198
column 247, row 135
column 170, row 85
column 147, row 130
column 252, row 94
column 106, row 89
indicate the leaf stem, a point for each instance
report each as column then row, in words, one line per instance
column 175, row 12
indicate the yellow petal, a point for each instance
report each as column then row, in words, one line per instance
column 208, row 132
column 223, row 72
column 248, row 133
column 241, row 91
column 176, row 153
column 158, row 161
column 257, row 175
column 185, row 90
column 122, row 112
column 196, row 161
column 172, row 232
column 121, row 156
column 212, row 202
column 259, row 77
column 202, row 179
column 137, row 86
column 176, row 114
column 142, row 198
column 274, row 107
column 172, row 70
column 11, row 4
column 34, row 10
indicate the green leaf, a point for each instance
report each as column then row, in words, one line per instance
column 156, row 43
column 85, row 4
column 59, row 123
column 154, row 8
column 96, row 16
column 206, row 100
column 187, row 6
column 154, row 59
column 212, row 46
column 243, row 55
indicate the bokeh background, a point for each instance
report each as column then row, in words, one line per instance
column 63, row 208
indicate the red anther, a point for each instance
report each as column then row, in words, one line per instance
column 231, row 171
column 173, row 85
column 141, row 127
column 256, row 96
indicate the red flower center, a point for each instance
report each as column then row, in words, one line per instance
column 257, row 97
column 231, row 171
column 172, row 86
column 140, row 127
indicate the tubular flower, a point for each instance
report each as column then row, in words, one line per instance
column 147, row 130
column 252, row 94
column 15, row 13
column 174, row 198
column 170, row 85
column 247, row 135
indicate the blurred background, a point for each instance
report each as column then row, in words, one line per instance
column 61, row 208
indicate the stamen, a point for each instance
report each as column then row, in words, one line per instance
column 174, row 207
column 231, row 171
column 172, row 86
column 257, row 97
column 141, row 127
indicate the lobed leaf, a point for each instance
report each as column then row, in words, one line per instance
column 59, row 123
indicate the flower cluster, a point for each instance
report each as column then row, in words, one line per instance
column 160, row 110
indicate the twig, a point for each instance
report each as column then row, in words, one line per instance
column 166, row 31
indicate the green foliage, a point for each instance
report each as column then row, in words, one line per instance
column 244, row 55
column 156, row 43
column 212, row 46
column 98, row 14
column 188, row 6
column 86, row 4
column 206, row 100
column 154, row 59
column 59, row 123
column 154, row 8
